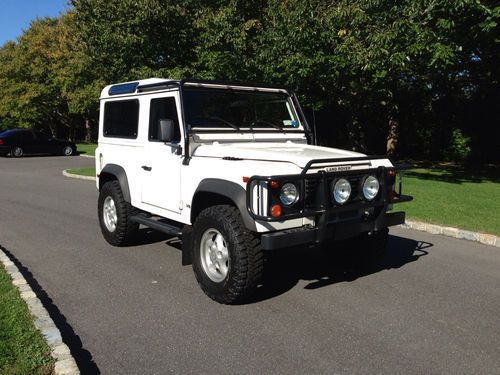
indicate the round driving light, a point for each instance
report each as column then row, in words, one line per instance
column 289, row 194
column 371, row 187
column 341, row 190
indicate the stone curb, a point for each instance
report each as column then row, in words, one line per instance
column 87, row 156
column 77, row 176
column 65, row 363
column 486, row 239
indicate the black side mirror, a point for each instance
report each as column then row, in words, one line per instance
column 166, row 130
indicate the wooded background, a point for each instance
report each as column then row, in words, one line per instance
column 414, row 78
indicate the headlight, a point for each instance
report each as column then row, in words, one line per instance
column 371, row 187
column 341, row 190
column 289, row 194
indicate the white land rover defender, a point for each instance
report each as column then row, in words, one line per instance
column 231, row 168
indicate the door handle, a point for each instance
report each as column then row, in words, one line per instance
column 146, row 168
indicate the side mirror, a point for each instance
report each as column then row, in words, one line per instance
column 166, row 130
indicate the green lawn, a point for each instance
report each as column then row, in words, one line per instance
column 22, row 348
column 87, row 171
column 452, row 196
column 455, row 196
column 86, row 148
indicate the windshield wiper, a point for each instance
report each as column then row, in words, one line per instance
column 215, row 118
column 276, row 126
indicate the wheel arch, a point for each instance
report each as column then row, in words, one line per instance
column 114, row 172
column 212, row 191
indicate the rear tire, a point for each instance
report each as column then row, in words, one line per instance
column 67, row 151
column 17, row 152
column 114, row 213
column 227, row 258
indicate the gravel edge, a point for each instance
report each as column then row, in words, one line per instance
column 65, row 363
column 77, row 176
column 486, row 239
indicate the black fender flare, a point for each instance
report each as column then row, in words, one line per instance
column 230, row 190
column 120, row 175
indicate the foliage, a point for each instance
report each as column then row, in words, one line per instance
column 375, row 75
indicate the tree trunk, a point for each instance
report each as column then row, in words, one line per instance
column 392, row 135
column 88, row 131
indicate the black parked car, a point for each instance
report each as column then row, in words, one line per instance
column 18, row 142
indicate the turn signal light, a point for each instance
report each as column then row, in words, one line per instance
column 245, row 179
column 276, row 210
column 274, row 184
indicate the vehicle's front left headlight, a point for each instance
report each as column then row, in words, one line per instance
column 289, row 194
column 371, row 187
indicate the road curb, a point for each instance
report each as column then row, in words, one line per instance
column 486, row 239
column 65, row 363
column 87, row 156
column 77, row 176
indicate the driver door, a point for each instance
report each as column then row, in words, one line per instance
column 161, row 167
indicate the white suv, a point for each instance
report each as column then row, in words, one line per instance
column 232, row 169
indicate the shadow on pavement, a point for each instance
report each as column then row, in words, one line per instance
column 324, row 267
column 82, row 356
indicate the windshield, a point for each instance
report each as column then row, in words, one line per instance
column 238, row 109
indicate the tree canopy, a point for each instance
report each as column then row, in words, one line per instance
column 413, row 78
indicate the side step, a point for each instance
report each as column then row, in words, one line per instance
column 157, row 225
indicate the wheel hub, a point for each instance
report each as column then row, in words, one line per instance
column 109, row 214
column 214, row 255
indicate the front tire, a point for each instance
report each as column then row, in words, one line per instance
column 17, row 152
column 114, row 213
column 227, row 258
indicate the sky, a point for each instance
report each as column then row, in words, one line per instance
column 16, row 15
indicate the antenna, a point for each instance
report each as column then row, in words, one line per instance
column 314, row 127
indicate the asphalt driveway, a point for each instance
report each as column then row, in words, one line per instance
column 433, row 306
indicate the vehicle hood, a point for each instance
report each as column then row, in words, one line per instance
column 299, row 154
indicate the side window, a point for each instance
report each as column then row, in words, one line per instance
column 121, row 118
column 25, row 136
column 163, row 108
column 42, row 136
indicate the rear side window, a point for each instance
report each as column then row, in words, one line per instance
column 121, row 118
column 163, row 108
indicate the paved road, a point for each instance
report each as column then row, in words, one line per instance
column 432, row 307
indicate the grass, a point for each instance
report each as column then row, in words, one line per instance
column 467, row 198
column 86, row 148
column 22, row 348
column 87, row 171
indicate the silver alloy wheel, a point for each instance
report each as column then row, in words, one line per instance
column 109, row 214
column 214, row 255
column 17, row 152
column 67, row 151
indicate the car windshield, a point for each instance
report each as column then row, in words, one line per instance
column 237, row 109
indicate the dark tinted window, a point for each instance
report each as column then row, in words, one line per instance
column 25, row 136
column 163, row 108
column 42, row 136
column 121, row 118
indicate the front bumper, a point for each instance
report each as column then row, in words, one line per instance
column 333, row 231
